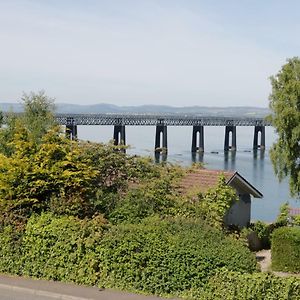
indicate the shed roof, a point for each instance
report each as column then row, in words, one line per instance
column 204, row 179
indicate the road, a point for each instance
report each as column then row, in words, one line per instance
column 8, row 294
column 20, row 288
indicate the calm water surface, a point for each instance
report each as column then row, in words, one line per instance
column 254, row 166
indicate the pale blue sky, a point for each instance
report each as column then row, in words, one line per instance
column 133, row 52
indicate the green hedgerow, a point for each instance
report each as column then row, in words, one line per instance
column 168, row 256
column 231, row 285
column 286, row 249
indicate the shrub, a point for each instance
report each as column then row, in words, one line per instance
column 62, row 248
column 155, row 197
column 263, row 233
column 286, row 249
column 10, row 249
column 153, row 193
column 296, row 220
column 283, row 216
column 236, row 286
column 168, row 256
column 211, row 206
column 61, row 176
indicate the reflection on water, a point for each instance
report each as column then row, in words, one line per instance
column 197, row 157
column 229, row 160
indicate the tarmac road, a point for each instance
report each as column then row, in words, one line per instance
column 20, row 288
column 9, row 294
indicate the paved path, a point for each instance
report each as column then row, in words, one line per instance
column 265, row 260
column 19, row 288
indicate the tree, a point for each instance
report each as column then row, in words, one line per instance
column 36, row 121
column 38, row 115
column 285, row 104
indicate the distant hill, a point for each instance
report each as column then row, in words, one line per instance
column 150, row 109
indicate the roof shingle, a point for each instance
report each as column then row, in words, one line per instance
column 203, row 179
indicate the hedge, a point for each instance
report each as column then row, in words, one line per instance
column 10, row 250
column 236, row 286
column 285, row 249
column 57, row 248
column 168, row 256
column 156, row 256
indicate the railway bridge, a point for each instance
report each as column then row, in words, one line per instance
column 198, row 123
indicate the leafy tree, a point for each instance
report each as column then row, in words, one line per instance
column 62, row 176
column 38, row 115
column 285, row 104
column 37, row 119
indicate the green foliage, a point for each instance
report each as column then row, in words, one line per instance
column 148, row 197
column 59, row 175
column 236, row 286
column 62, row 248
column 296, row 220
column 211, row 206
column 263, row 232
column 285, row 104
column 38, row 115
column 286, row 249
column 10, row 250
column 155, row 256
column 283, row 217
column 216, row 202
column 168, row 256
column 37, row 119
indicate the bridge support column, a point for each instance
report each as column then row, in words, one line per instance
column 161, row 130
column 71, row 129
column 262, row 144
column 119, row 136
column 231, row 146
column 200, row 145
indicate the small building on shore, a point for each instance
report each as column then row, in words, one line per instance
column 239, row 213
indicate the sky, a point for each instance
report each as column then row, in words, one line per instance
column 136, row 52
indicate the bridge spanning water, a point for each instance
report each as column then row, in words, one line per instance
column 120, row 121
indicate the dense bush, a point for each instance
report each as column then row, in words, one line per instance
column 155, row 256
column 258, row 235
column 236, row 286
column 62, row 248
column 286, row 249
column 10, row 250
column 168, row 256
column 154, row 197
column 64, row 177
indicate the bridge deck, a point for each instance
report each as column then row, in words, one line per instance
column 152, row 120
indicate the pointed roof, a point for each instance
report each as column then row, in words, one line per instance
column 203, row 179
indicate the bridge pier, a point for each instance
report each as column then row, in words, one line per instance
column 200, row 145
column 231, row 146
column 160, row 157
column 119, row 136
column 262, row 144
column 71, row 132
column 71, row 129
column 161, row 130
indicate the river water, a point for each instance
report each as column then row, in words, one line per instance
column 255, row 166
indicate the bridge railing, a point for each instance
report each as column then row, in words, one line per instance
column 153, row 120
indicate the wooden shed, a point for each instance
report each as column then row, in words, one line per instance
column 240, row 212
